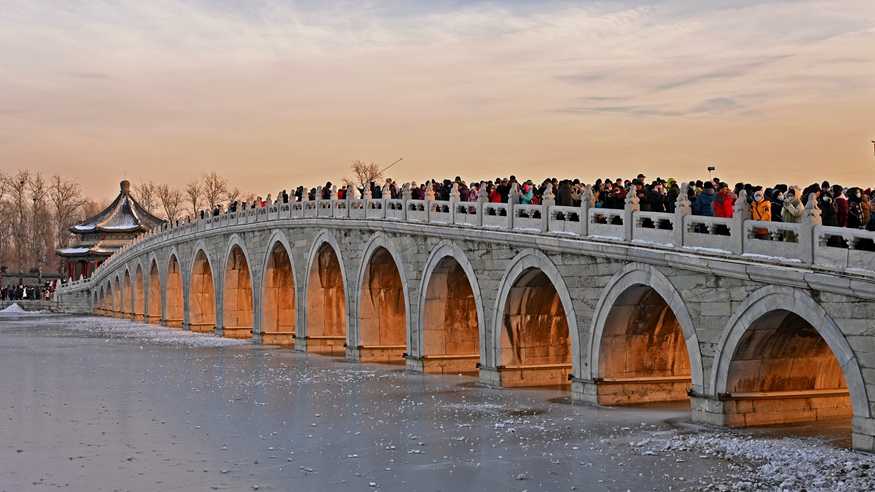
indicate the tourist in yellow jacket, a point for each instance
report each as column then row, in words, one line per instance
column 761, row 209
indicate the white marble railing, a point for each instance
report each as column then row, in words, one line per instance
column 808, row 243
column 713, row 233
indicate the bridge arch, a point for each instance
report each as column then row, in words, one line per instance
column 174, row 293
column 111, row 294
column 781, row 343
column 139, row 298
column 202, row 292
column 278, row 322
column 98, row 304
column 153, row 313
column 534, row 332
column 238, row 297
column 448, row 294
column 118, row 297
column 107, row 299
column 382, row 308
column 325, row 318
column 643, row 345
column 128, row 293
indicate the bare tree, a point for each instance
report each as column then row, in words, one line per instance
column 66, row 200
column 90, row 208
column 215, row 188
column 6, row 216
column 146, row 195
column 193, row 193
column 363, row 174
column 170, row 200
column 16, row 188
column 41, row 236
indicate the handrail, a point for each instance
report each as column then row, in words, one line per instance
column 808, row 243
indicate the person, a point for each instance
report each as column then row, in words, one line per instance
column 494, row 194
column 618, row 195
column 761, row 210
column 576, row 193
column 527, row 193
column 841, row 205
column 791, row 212
column 564, row 194
column 704, row 204
column 656, row 198
column 827, row 209
column 503, row 188
column 855, row 209
column 724, row 202
column 777, row 204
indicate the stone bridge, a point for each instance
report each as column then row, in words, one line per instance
column 753, row 322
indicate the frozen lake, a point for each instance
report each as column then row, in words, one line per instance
column 101, row 404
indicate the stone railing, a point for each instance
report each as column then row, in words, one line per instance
column 831, row 249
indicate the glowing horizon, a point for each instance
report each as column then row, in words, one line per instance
column 277, row 94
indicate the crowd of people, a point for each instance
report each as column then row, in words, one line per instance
column 22, row 292
column 839, row 206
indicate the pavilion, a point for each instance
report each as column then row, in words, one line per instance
column 100, row 236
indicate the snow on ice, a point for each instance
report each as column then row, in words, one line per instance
column 773, row 463
column 119, row 328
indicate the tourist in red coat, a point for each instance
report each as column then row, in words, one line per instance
column 724, row 202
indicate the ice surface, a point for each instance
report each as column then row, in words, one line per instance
column 109, row 404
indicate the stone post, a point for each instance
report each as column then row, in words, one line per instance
column 548, row 199
column 455, row 198
column 740, row 213
column 429, row 198
column 406, row 195
column 367, row 196
column 513, row 197
column 807, row 237
column 386, row 192
column 333, row 197
column 631, row 206
column 682, row 208
column 482, row 199
column 585, row 204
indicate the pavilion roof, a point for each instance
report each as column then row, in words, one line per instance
column 85, row 251
column 123, row 215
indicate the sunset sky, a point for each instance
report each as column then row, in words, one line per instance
column 276, row 94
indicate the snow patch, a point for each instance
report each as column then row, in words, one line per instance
column 14, row 310
column 784, row 259
column 775, row 464
column 124, row 329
